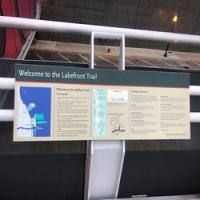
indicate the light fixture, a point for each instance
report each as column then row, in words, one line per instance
column 174, row 20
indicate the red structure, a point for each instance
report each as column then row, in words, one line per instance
column 12, row 40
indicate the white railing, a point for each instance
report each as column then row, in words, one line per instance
column 9, row 84
column 64, row 27
column 44, row 25
column 6, row 115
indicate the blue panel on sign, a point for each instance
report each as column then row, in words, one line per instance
column 38, row 107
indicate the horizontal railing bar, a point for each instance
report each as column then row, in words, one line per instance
column 195, row 117
column 9, row 84
column 63, row 27
column 194, row 90
column 8, row 115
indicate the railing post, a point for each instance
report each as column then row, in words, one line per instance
column 105, row 159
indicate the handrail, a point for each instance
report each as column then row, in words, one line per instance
column 64, row 27
column 44, row 25
column 7, row 115
column 9, row 84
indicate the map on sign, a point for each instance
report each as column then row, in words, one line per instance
column 34, row 112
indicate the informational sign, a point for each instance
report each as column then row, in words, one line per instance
column 70, row 103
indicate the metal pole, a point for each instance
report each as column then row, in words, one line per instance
column 8, row 115
column 9, row 84
column 64, row 27
column 104, row 158
column 172, row 28
column 194, row 117
column 194, row 90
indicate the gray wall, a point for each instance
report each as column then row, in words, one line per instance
column 139, row 14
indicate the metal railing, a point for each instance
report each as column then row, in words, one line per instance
column 9, row 84
column 64, row 27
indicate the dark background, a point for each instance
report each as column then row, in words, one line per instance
column 137, row 14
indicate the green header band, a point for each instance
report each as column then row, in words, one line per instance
column 65, row 74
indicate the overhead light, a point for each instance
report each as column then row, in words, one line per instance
column 175, row 18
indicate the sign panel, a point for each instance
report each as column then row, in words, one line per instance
column 68, row 103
